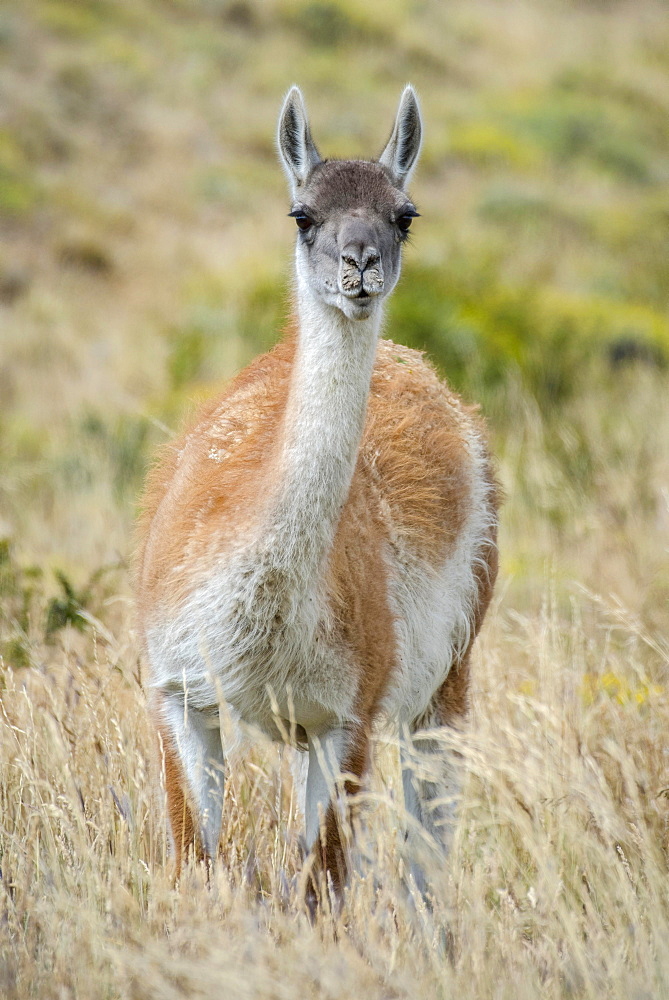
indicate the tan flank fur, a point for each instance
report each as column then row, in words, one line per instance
column 318, row 550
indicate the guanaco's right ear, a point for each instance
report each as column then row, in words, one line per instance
column 298, row 152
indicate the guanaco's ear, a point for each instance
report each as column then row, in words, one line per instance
column 401, row 152
column 298, row 152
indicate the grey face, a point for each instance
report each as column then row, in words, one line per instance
column 352, row 221
column 352, row 215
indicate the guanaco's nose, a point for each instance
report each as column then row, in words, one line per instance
column 360, row 270
column 360, row 256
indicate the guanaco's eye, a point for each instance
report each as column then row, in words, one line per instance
column 404, row 221
column 304, row 222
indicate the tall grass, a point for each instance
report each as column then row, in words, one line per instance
column 557, row 883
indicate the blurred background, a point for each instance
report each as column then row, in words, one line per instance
column 146, row 257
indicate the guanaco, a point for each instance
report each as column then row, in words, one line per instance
column 318, row 550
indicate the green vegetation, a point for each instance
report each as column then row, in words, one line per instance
column 145, row 257
column 29, row 616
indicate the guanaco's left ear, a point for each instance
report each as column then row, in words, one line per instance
column 401, row 153
column 298, row 151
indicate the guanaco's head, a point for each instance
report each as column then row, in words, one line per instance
column 352, row 215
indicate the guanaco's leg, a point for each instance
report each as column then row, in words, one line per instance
column 338, row 760
column 431, row 775
column 194, row 776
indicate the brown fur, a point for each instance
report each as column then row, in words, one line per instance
column 414, row 442
column 192, row 498
column 359, row 588
column 178, row 809
column 410, row 483
column 413, row 457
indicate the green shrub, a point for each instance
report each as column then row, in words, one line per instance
column 28, row 615
column 73, row 606
column 485, row 143
column 187, row 356
column 573, row 127
column 263, row 312
column 124, row 444
column 21, row 589
column 19, row 193
column 479, row 330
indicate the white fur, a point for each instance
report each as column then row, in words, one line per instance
column 325, row 762
column 433, row 615
column 197, row 738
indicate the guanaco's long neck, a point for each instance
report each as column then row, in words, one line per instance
column 324, row 421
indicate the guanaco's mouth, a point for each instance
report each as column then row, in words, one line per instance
column 358, row 307
column 361, row 297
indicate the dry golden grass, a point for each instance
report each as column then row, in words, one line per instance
column 557, row 885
